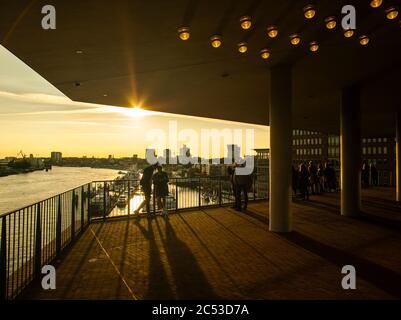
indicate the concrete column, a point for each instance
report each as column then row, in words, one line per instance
column 280, row 149
column 350, row 152
column 398, row 156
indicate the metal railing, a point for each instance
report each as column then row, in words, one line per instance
column 37, row 235
column 113, row 198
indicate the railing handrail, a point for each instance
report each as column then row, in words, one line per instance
column 41, row 201
column 37, row 234
column 170, row 178
column 104, row 181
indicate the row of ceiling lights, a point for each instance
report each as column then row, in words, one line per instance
column 295, row 39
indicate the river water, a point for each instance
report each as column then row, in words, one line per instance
column 20, row 190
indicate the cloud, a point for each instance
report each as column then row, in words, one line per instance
column 39, row 98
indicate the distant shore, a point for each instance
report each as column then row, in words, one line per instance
column 10, row 171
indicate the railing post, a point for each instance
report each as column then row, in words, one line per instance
column 154, row 200
column 38, row 243
column 176, row 195
column 220, row 202
column 73, row 216
column 89, row 203
column 58, row 227
column 82, row 208
column 253, row 188
column 199, row 193
column 129, row 197
column 104, row 200
column 3, row 263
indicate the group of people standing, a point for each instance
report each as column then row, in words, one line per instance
column 314, row 179
column 160, row 187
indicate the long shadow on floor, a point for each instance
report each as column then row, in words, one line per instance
column 123, row 254
column 210, row 253
column 82, row 261
column 159, row 286
column 390, row 207
column 190, row 281
column 383, row 278
column 390, row 224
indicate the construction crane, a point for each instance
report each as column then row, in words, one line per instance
column 23, row 155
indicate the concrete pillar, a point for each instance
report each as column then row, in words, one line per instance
column 280, row 149
column 350, row 152
column 398, row 156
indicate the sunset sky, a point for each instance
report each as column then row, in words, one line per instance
column 37, row 118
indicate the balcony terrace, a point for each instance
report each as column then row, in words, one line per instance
column 221, row 253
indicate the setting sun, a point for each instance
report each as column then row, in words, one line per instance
column 134, row 112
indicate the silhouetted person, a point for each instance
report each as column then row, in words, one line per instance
column 230, row 172
column 313, row 178
column 146, row 184
column 320, row 177
column 375, row 175
column 295, row 182
column 303, row 182
column 365, row 175
column 330, row 178
column 241, row 184
column 160, row 182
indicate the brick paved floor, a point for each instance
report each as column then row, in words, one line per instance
column 220, row 253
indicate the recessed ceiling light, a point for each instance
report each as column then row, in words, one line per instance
column 348, row 33
column 391, row 13
column 330, row 22
column 272, row 31
column 309, row 11
column 265, row 53
column 215, row 41
column 313, row 46
column 242, row 47
column 364, row 40
column 183, row 33
column 105, row 95
column 246, row 22
column 79, row 51
column 295, row 39
column 376, row 3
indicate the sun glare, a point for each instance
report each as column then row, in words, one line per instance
column 134, row 112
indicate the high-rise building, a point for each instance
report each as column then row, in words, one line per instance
column 56, row 157
column 380, row 152
column 167, row 156
column 308, row 145
column 150, row 155
column 185, row 151
column 233, row 153
column 262, row 173
column 333, row 150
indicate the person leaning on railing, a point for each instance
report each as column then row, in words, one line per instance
column 160, row 182
column 146, row 184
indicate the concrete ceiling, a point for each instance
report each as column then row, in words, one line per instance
column 132, row 54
